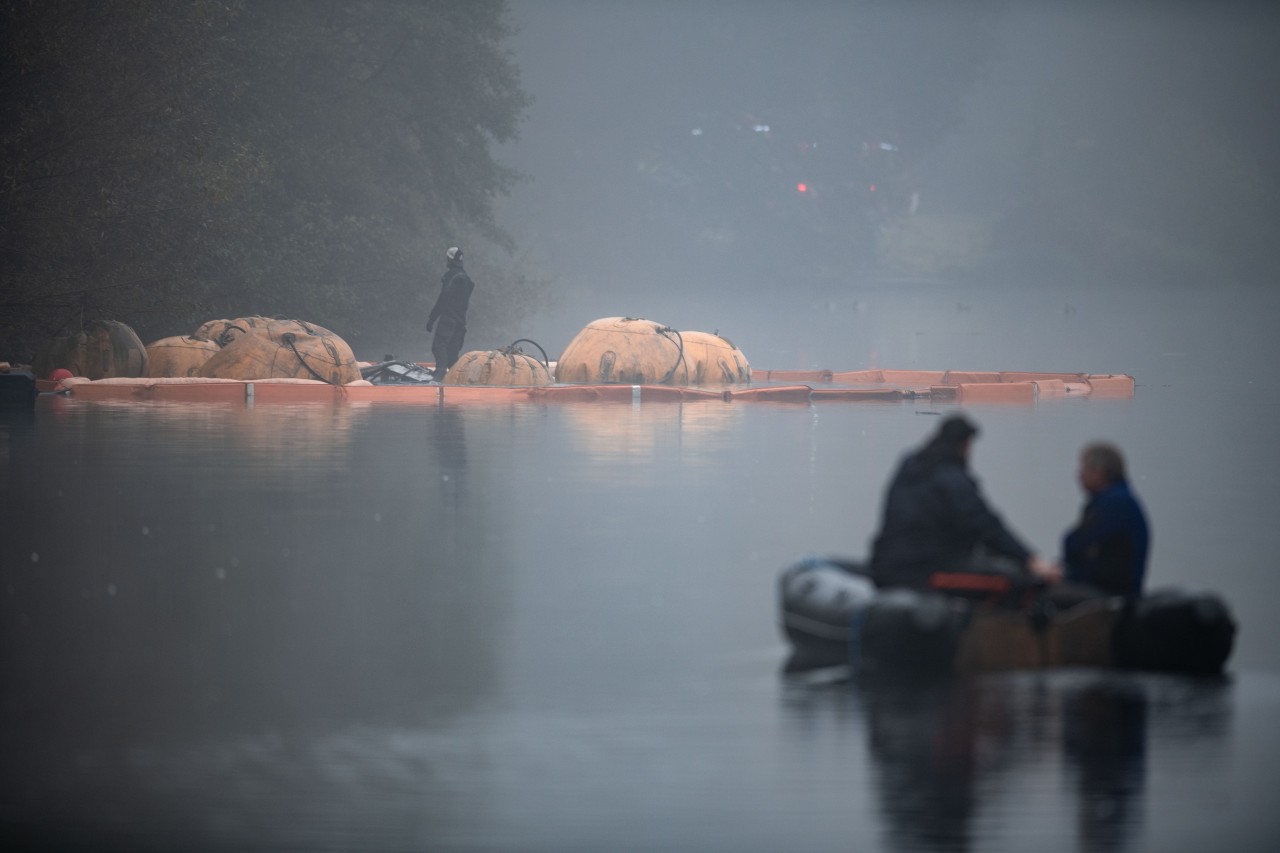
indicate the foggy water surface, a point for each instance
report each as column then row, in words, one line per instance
column 553, row 628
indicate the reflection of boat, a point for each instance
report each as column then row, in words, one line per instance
column 833, row 615
column 17, row 388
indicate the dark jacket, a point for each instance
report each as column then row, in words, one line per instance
column 455, row 295
column 1107, row 549
column 935, row 519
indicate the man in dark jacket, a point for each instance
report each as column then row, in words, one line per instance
column 451, row 312
column 1106, row 552
column 935, row 518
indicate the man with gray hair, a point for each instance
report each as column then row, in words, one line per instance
column 1107, row 550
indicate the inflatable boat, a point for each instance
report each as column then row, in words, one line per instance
column 832, row 614
column 17, row 389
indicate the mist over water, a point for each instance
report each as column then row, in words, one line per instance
column 531, row 627
column 1060, row 157
column 553, row 627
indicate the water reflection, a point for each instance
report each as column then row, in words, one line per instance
column 625, row 440
column 307, row 434
column 16, row 427
column 211, row 614
column 924, row 744
column 1104, row 739
column 449, row 447
column 957, row 761
column 459, row 629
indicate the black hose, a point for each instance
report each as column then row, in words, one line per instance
column 224, row 338
column 545, row 362
column 288, row 338
column 679, row 342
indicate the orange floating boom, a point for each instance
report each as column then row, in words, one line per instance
column 963, row 387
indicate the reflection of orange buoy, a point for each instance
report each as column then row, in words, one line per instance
column 105, row 350
column 714, row 360
column 505, row 367
column 624, row 351
column 180, row 356
column 613, row 433
column 305, row 435
column 283, row 349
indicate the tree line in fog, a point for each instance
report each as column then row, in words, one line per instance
column 169, row 163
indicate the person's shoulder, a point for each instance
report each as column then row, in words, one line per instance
column 954, row 473
column 1118, row 493
column 1119, row 498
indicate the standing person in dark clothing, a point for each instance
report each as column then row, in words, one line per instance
column 1106, row 552
column 451, row 312
column 935, row 518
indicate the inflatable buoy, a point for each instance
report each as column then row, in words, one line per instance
column 106, row 349
column 60, row 374
column 714, row 360
column 220, row 332
column 624, row 351
column 178, row 357
column 509, row 366
column 223, row 332
column 283, row 349
column 280, row 325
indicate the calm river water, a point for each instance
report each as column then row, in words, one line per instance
column 529, row 627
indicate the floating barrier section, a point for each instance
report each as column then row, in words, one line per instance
column 774, row 386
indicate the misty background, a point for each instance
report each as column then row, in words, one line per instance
column 1048, row 146
column 713, row 165
column 533, row 626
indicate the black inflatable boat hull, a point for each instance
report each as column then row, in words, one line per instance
column 832, row 614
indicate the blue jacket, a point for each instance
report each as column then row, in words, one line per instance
column 1108, row 547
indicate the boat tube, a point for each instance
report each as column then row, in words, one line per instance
column 17, row 389
column 833, row 615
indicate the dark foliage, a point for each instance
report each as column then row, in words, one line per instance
column 171, row 163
